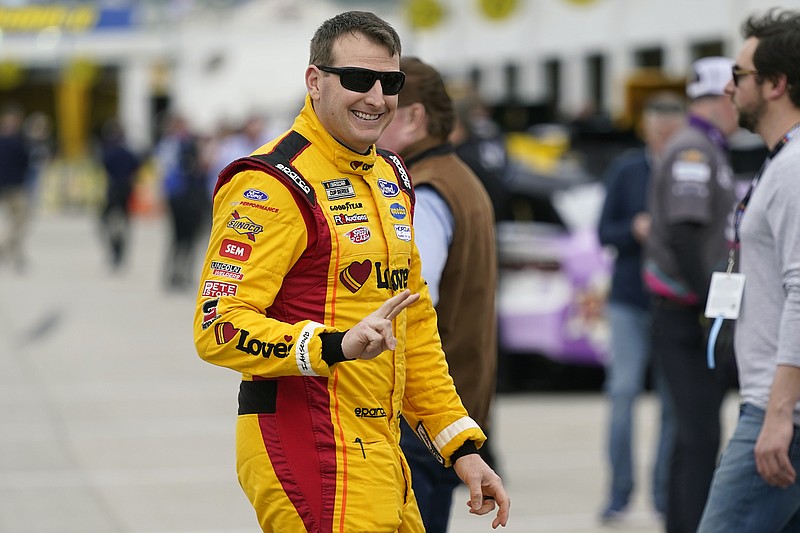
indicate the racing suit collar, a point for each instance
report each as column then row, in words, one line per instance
column 345, row 159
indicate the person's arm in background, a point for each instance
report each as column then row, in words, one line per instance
column 434, row 223
column 615, row 227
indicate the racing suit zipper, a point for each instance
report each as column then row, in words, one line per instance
column 360, row 443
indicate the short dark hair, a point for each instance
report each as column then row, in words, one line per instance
column 368, row 24
column 778, row 50
column 425, row 85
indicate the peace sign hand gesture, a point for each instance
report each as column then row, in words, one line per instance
column 374, row 334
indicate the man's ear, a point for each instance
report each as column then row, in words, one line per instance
column 777, row 87
column 313, row 76
column 416, row 114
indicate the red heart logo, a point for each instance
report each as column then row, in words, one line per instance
column 287, row 338
column 355, row 164
column 225, row 332
column 354, row 276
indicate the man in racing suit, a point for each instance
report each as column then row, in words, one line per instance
column 311, row 288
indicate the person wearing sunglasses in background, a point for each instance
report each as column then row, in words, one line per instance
column 755, row 487
column 312, row 289
column 690, row 201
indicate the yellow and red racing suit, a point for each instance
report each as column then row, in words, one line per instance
column 308, row 238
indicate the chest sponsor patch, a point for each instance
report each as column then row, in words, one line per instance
column 244, row 226
column 339, row 189
column 219, row 288
column 403, row 232
column 255, row 195
column 235, row 250
column 254, row 205
column 355, row 218
column 359, row 235
column 388, row 189
column 226, row 270
column 398, row 211
column 347, row 206
column 355, row 275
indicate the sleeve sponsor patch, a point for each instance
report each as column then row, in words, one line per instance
column 691, row 171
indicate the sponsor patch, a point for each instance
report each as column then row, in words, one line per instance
column 691, row 171
column 255, row 195
column 219, row 288
column 235, row 250
column 226, row 270
column 388, row 189
column 347, row 206
column 394, row 279
column 369, row 412
column 339, row 189
column 244, row 226
column 209, row 308
column 365, row 167
column 263, row 207
column 403, row 232
column 225, row 332
column 398, row 211
column 355, row 275
column 426, row 439
column 358, row 235
column 355, row 218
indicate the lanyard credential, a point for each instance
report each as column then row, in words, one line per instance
column 727, row 287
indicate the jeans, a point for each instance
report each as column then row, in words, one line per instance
column 433, row 484
column 696, row 393
column 740, row 501
column 626, row 376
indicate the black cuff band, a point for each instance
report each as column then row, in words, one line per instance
column 466, row 449
column 332, row 347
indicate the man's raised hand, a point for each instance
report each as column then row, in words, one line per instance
column 374, row 334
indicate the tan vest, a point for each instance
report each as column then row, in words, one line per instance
column 466, row 308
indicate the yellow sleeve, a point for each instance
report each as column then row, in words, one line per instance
column 431, row 404
column 258, row 233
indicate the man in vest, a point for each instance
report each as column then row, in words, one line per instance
column 312, row 289
column 455, row 234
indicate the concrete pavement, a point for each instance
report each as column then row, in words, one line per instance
column 109, row 422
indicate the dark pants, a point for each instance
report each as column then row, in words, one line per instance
column 433, row 484
column 697, row 392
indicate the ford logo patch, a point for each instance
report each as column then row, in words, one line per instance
column 255, row 195
column 388, row 189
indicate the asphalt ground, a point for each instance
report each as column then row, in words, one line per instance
column 109, row 422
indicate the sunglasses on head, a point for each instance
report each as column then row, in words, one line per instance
column 361, row 80
column 738, row 72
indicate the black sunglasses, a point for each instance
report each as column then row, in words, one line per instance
column 361, row 80
column 737, row 73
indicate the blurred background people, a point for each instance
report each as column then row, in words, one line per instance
column 625, row 225
column 480, row 143
column 186, row 192
column 15, row 167
column 690, row 201
column 454, row 231
column 121, row 167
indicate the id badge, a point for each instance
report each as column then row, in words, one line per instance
column 725, row 295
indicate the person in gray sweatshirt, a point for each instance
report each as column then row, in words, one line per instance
column 755, row 487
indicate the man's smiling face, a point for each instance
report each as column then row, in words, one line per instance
column 354, row 119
